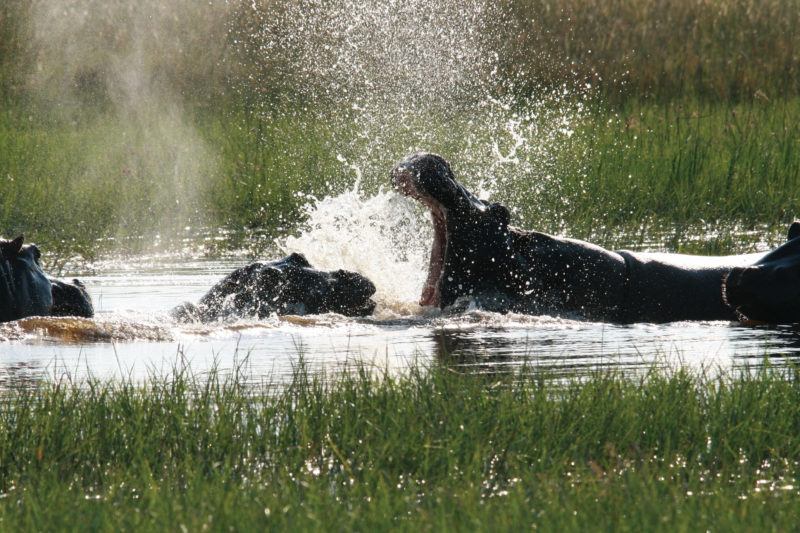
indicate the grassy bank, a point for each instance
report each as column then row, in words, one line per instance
column 433, row 450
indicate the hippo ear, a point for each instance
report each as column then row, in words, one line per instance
column 11, row 248
column 298, row 260
column 794, row 230
column 500, row 212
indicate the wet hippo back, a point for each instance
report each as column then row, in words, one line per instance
column 670, row 287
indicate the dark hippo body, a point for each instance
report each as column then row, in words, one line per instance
column 769, row 290
column 478, row 257
column 290, row 286
column 25, row 290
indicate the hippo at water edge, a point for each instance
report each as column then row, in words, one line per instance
column 479, row 259
column 70, row 299
column 25, row 290
column 768, row 290
column 290, row 286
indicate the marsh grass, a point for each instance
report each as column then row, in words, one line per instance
column 686, row 166
column 433, row 449
column 718, row 50
column 668, row 172
column 145, row 127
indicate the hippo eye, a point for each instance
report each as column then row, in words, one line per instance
column 36, row 255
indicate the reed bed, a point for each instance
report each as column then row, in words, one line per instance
column 145, row 128
column 434, row 449
column 674, row 170
column 719, row 50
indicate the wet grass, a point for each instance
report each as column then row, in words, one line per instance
column 431, row 450
column 691, row 167
column 161, row 118
column 666, row 171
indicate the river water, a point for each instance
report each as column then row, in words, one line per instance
column 133, row 336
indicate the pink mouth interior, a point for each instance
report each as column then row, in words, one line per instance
column 403, row 181
column 430, row 291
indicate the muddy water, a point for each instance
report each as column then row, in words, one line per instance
column 133, row 336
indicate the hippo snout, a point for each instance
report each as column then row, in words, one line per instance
column 402, row 179
column 350, row 293
column 355, row 284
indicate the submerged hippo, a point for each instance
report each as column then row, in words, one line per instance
column 477, row 257
column 26, row 291
column 768, row 290
column 290, row 286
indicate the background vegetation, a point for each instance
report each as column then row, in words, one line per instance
column 173, row 116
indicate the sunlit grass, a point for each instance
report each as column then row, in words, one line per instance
column 687, row 166
column 665, row 171
column 432, row 449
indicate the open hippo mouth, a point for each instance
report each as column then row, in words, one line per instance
column 407, row 179
column 466, row 230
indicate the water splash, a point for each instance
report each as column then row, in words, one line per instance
column 393, row 78
column 356, row 52
column 380, row 236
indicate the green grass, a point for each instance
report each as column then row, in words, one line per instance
column 432, row 450
column 665, row 172
column 691, row 167
column 159, row 119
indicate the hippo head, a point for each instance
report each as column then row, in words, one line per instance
column 473, row 253
column 288, row 286
column 317, row 291
column 70, row 299
column 769, row 290
column 24, row 288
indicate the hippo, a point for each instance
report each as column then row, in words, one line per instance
column 768, row 290
column 25, row 290
column 479, row 259
column 289, row 286
column 70, row 299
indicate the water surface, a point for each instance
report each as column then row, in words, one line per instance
column 133, row 336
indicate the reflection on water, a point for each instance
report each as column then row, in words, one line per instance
column 133, row 336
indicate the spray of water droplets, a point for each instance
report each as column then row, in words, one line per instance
column 396, row 78
column 393, row 78
column 380, row 236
